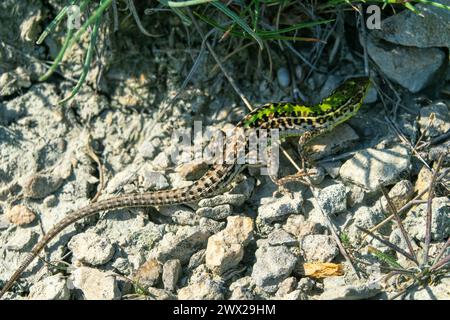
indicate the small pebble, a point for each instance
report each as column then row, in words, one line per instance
column 281, row 237
column 283, row 77
column 299, row 72
column 279, row 209
column 217, row 213
column 51, row 201
column 319, row 247
column 233, row 199
column 20, row 215
column 149, row 274
column 333, row 199
column 171, row 273
column 205, row 290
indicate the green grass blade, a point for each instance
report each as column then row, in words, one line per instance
column 59, row 57
column 270, row 35
column 294, row 27
column 187, row 3
column 61, row 53
column 390, row 260
column 52, row 25
column 390, row 245
column 231, row 14
column 436, row 4
column 87, row 61
column 104, row 5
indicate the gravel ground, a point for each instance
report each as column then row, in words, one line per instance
column 244, row 244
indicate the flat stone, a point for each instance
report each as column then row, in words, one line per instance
column 193, row 171
column 197, row 259
column 231, row 199
column 182, row 244
column 205, row 290
column 88, row 247
column 371, row 168
column 280, row 208
column 332, row 168
column 342, row 291
column 22, row 240
column 161, row 161
column 299, row 227
column 179, row 214
column 318, row 247
column 400, row 194
column 50, row 288
column 281, row 237
column 423, row 181
column 219, row 212
column 364, row 217
column 40, row 185
column 51, row 201
column 147, row 150
column 286, row 286
column 95, row 284
column 355, row 195
column 154, row 180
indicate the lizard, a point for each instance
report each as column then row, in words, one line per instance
column 290, row 119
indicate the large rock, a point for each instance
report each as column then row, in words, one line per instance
column 430, row 29
column 372, row 168
column 412, row 68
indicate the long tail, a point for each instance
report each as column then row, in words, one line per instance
column 174, row 196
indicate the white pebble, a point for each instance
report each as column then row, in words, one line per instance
column 283, row 77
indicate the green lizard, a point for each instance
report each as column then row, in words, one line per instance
column 291, row 119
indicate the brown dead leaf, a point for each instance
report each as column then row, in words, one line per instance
column 320, row 270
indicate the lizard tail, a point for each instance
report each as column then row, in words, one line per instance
column 181, row 195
